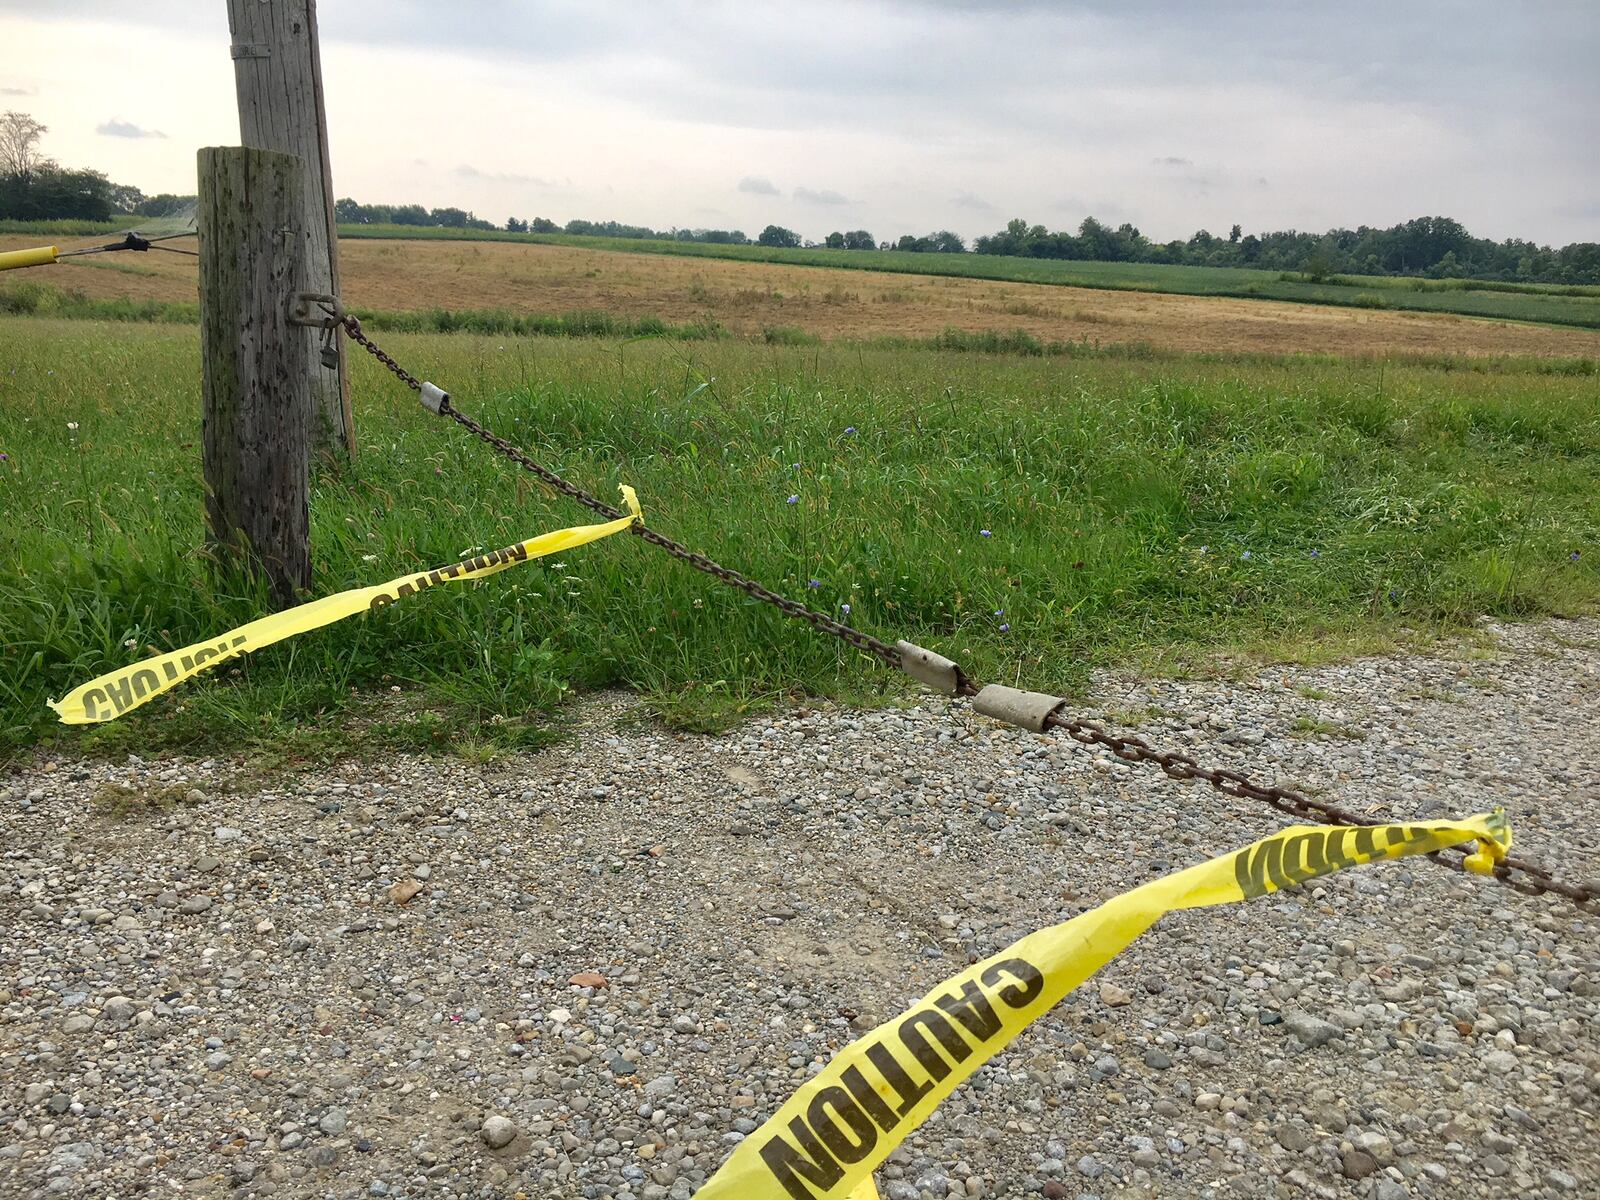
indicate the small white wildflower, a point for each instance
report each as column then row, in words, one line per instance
column 369, row 558
column 73, row 426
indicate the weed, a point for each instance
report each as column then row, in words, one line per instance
column 1317, row 727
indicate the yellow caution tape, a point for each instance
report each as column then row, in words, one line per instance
column 38, row 256
column 110, row 696
column 826, row 1141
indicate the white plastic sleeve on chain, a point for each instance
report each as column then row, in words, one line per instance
column 433, row 399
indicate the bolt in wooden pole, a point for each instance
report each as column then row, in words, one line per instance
column 277, row 71
column 258, row 408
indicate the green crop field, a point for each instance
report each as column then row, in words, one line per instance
column 1029, row 517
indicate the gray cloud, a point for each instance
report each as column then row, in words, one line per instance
column 1363, row 112
column 125, row 129
column 467, row 171
column 756, row 185
column 974, row 203
column 824, row 196
column 16, row 91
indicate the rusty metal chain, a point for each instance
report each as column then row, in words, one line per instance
column 353, row 328
column 1528, row 878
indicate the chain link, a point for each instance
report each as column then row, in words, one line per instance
column 1517, row 874
column 353, row 328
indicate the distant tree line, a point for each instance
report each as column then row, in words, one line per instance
column 1434, row 247
column 348, row 212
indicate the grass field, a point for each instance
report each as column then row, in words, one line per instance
column 1550, row 303
column 488, row 285
column 1029, row 517
column 1547, row 303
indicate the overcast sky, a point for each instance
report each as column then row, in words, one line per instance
column 895, row 116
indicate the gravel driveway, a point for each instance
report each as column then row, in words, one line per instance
column 625, row 952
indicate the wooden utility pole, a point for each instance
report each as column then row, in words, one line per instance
column 256, row 366
column 277, row 69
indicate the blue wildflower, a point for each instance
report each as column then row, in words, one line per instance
column 985, row 533
column 794, row 500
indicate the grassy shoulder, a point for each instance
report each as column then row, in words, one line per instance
column 1031, row 517
column 1576, row 306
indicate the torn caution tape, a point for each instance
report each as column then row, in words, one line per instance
column 125, row 689
column 825, row 1142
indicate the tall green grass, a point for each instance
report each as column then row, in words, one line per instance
column 1029, row 516
column 33, row 298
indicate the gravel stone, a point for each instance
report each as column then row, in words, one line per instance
column 498, row 1131
column 1312, row 1031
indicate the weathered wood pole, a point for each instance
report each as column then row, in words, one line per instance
column 258, row 409
column 277, row 71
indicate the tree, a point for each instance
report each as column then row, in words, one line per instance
column 777, row 235
column 834, row 241
column 1234, row 233
column 544, row 225
column 516, row 225
column 859, row 239
column 169, row 205
column 19, row 145
column 125, row 198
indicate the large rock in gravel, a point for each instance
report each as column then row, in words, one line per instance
column 1312, row 1031
column 498, row 1132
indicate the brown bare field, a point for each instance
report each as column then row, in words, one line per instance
column 748, row 297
